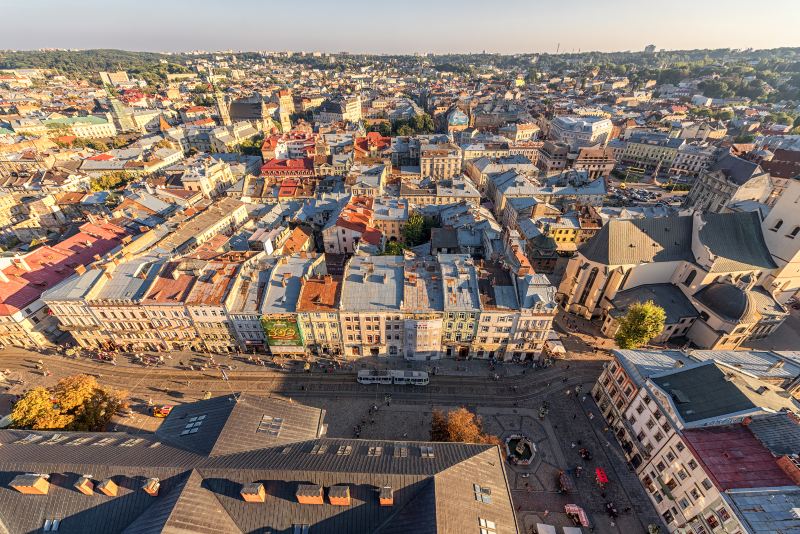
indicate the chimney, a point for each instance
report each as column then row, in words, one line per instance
column 84, row 485
column 3, row 277
column 22, row 264
column 790, row 464
column 31, row 484
column 108, row 487
column 747, row 420
column 386, row 496
column 80, row 269
column 253, row 492
column 151, row 486
column 309, row 494
column 339, row 495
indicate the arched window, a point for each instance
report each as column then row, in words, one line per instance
column 794, row 232
column 778, row 224
column 690, row 278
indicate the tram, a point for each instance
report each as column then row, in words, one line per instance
column 414, row 378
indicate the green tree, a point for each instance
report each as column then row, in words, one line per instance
column 643, row 322
column 417, row 230
column 110, row 181
column 393, row 248
column 252, row 146
column 405, row 129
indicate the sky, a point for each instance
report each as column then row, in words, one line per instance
column 404, row 26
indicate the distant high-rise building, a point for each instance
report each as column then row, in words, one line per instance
column 650, row 49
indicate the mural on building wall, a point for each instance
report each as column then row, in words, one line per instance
column 282, row 332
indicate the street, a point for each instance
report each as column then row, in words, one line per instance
column 508, row 405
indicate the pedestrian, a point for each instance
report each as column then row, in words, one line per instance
column 568, row 393
column 572, row 445
column 545, row 513
column 591, row 416
column 583, row 398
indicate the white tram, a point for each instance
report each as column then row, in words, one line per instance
column 414, row 378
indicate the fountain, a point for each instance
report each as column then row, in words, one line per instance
column 520, row 450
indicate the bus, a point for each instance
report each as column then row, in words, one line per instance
column 414, row 378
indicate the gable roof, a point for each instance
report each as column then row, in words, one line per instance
column 628, row 242
column 200, row 492
column 737, row 241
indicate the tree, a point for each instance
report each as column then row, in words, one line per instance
column 35, row 410
column 393, row 248
column 75, row 403
column 111, row 180
column 459, row 425
column 643, row 322
column 417, row 229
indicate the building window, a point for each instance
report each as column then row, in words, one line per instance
column 794, row 232
column 487, row 527
column 706, row 484
column 777, row 226
column 723, row 514
column 692, row 464
column 482, row 494
column 690, row 278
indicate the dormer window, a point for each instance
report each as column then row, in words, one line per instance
column 794, row 232
column 777, row 225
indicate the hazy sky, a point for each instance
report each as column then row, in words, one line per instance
column 504, row 26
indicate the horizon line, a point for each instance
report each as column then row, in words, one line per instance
column 409, row 53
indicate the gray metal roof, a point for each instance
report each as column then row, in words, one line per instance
column 373, row 284
column 780, row 433
column 761, row 363
column 460, row 283
column 200, row 492
column 422, row 285
column 632, row 242
column 737, row 241
column 75, row 287
column 768, row 511
column 284, row 284
column 709, row 391
column 130, row 280
column 642, row 364
column 675, row 304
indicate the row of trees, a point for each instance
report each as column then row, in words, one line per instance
column 418, row 124
column 76, row 403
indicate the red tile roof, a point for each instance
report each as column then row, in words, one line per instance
column 29, row 276
column 277, row 164
column 734, row 458
column 168, row 288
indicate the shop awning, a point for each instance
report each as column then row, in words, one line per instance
column 574, row 509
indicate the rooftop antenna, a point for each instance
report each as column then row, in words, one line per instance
column 558, row 48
